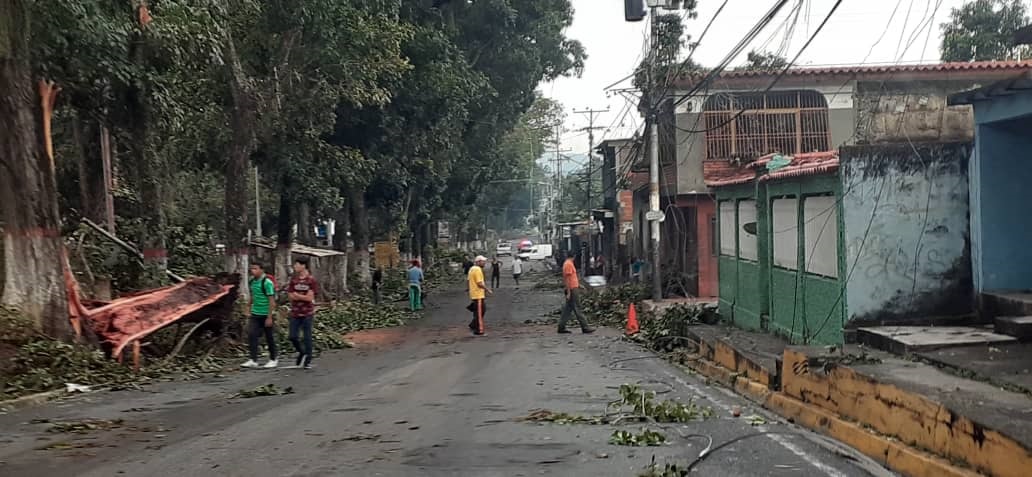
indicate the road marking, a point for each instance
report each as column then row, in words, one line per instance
column 779, row 439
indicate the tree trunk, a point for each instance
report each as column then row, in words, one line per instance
column 285, row 225
column 32, row 246
column 343, row 224
column 242, row 124
column 359, row 232
column 91, row 170
column 304, row 225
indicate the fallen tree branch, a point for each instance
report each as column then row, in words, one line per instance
column 126, row 245
column 182, row 341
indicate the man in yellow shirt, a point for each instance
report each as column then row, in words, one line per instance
column 572, row 285
column 478, row 291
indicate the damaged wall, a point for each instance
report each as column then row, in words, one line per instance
column 906, row 232
column 912, row 111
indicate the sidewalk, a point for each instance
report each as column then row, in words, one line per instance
column 940, row 417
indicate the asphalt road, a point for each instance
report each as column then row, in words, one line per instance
column 424, row 400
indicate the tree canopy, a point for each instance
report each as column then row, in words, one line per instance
column 983, row 30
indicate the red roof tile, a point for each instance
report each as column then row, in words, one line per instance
column 890, row 68
column 720, row 173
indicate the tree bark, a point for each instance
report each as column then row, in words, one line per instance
column 343, row 224
column 359, row 232
column 32, row 246
column 91, row 170
column 285, row 225
column 243, row 125
column 304, row 224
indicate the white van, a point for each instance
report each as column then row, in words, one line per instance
column 537, row 252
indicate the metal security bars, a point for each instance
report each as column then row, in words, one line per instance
column 751, row 125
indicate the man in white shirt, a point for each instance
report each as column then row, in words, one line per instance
column 517, row 270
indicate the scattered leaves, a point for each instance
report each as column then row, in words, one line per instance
column 646, row 437
column 545, row 415
column 667, row 470
column 84, row 426
column 266, row 390
column 646, row 407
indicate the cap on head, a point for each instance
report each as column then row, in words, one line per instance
column 480, row 258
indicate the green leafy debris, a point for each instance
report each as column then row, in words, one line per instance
column 266, row 390
column 646, row 437
column 84, row 426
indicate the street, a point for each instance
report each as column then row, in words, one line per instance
column 423, row 400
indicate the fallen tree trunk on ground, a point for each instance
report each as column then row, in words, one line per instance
column 122, row 322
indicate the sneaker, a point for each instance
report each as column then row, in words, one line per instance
column 564, row 331
column 476, row 333
column 250, row 364
column 300, row 360
column 307, row 364
column 587, row 331
column 271, row 364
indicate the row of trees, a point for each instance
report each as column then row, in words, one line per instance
column 382, row 115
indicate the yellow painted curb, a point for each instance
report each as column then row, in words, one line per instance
column 892, row 454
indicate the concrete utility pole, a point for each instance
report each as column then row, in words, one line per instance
column 557, row 191
column 591, row 166
column 655, row 215
column 257, row 205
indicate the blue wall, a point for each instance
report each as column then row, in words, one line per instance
column 1001, row 174
column 906, row 229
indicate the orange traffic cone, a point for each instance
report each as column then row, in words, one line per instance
column 632, row 321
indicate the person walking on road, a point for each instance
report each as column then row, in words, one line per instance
column 263, row 306
column 301, row 292
column 572, row 285
column 415, row 286
column 517, row 270
column 466, row 265
column 478, row 291
column 496, row 273
column 377, row 285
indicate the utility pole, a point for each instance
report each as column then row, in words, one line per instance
column 557, row 191
column 655, row 215
column 591, row 166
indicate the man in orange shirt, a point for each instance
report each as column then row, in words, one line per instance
column 572, row 285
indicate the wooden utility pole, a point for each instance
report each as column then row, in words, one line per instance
column 591, row 113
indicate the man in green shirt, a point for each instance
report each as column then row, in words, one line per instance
column 263, row 304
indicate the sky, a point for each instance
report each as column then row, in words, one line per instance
column 859, row 32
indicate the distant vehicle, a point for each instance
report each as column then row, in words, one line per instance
column 504, row 249
column 595, row 281
column 536, row 252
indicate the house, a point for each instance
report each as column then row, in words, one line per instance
column 617, row 212
column 1001, row 228
column 816, row 245
column 855, row 134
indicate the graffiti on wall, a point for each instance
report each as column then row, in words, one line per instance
column 906, row 232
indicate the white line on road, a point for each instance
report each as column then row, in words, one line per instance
column 779, row 439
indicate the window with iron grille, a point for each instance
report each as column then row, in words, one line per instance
column 787, row 122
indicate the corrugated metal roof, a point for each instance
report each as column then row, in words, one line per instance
column 1022, row 82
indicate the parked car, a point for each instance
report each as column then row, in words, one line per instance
column 536, row 252
column 503, row 249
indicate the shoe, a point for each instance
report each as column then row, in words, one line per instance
column 307, row 366
column 307, row 362
column 250, row 364
column 300, row 360
column 479, row 334
column 271, row 364
column 564, row 331
column 587, row 331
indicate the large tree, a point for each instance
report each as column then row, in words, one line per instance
column 32, row 246
column 983, row 30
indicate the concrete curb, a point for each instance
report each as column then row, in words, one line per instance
column 30, row 400
column 889, row 451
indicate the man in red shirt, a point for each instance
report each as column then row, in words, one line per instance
column 301, row 293
column 572, row 285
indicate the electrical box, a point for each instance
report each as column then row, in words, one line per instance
column 634, row 10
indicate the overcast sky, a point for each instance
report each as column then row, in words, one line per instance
column 860, row 31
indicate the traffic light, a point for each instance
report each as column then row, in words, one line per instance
column 634, row 10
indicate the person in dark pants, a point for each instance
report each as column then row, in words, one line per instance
column 377, row 285
column 517, row 270
column 301, row 293
column 572, row 285
column 478, row 291
column 263, row 304
column 496, row 273
column 466, row 265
